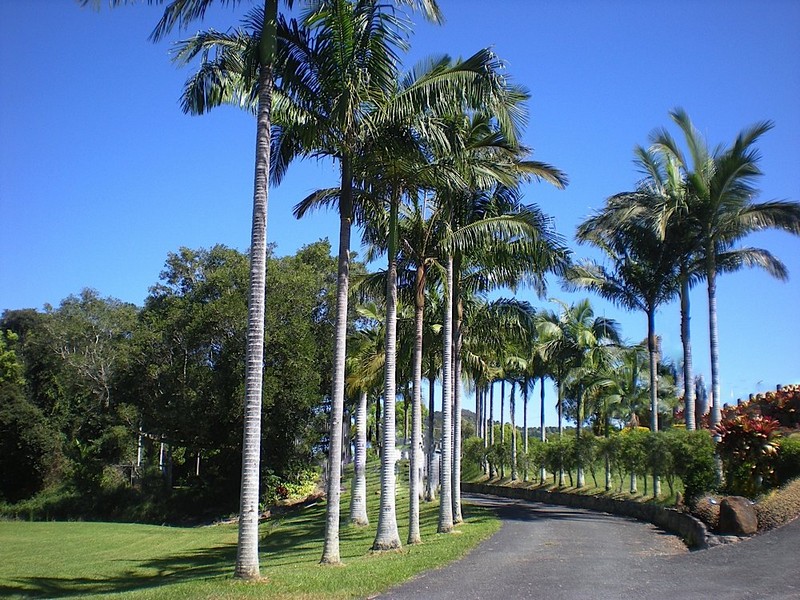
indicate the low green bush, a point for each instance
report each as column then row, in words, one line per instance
column 787, row 464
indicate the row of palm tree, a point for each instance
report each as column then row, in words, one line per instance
column 448, row 129
column 431, row 166
column 683, row 225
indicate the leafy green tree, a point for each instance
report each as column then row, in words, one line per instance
column 29, row 447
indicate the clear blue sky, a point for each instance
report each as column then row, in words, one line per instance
column 101, row 175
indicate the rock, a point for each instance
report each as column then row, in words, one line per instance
column 737, row 516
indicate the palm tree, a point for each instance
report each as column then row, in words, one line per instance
column 365, row 366
column 345, row 69
column 570, row 341
column 239, row 68
column 718, row 206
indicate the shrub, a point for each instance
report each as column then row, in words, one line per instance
column 780, row 506
column 474, row 452
column 693, row 460
column 748, row 451
column 787, row 465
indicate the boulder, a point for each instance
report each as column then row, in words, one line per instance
column 737, row 516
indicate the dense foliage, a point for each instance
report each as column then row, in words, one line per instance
column 126, row 411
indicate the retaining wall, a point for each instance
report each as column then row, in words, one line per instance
column 693, row 531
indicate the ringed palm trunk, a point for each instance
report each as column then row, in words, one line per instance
column 542, row 432
column 652, row 348
column 330, row 551
column 713, row 336
column 502, row 426
column 512, row 408
column 525, row 426
column 492, row 466
column 688, row 384
column 358, row 497
column 416, row 411
column 560, row 430
column 430, row 482
column 457, row 343
column 445, row 499
column 581, row 480
column 388, row 537
column 716, row 404
column 247, row 565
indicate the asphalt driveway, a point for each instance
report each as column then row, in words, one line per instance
column 552, row 553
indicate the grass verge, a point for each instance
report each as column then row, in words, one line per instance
column 96, row 560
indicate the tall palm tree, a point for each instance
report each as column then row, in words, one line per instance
column 345, row 67
column 719, row 206
column 643, row 274
column 239, row 68
column 571, row 340
column 365, row 365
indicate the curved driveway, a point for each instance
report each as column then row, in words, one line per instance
column 552, row 553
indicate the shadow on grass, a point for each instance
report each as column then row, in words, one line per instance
column 208, row 563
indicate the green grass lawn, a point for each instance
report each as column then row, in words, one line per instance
column 87, row 560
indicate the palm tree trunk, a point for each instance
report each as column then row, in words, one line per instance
column 445, row 500
column 358, row 496
column 652, row 347
column 560, row 430
column 388, row 537
column 525, row 384
column 512, row 409
column 492, row 466
column 458, row 312
column 502, row 426
column 579, row 422
column 330, row 550
column 415, row 465
column 430, row 482
column 247, row 565
column 542, row 431
column 688, row 384
column 713, row 336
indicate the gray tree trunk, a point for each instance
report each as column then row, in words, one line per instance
column 512, row 408
column 652, row 347
column 688, row 384
column 330, row 550
column 457, row 342
column 430, row 481
column 525, row 426
column 445, row 499
column 358, row 495
column 247, row 565
column 388, row 537
column 542, row 430
column 415, row 465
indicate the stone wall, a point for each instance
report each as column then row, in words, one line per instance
column 690, row 529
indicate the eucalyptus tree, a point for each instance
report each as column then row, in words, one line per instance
column 719, row 207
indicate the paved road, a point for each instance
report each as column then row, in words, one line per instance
column 556, row 553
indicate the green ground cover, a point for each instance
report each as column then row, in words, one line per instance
column 94, row 560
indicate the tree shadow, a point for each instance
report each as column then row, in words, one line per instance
column 208, row 563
